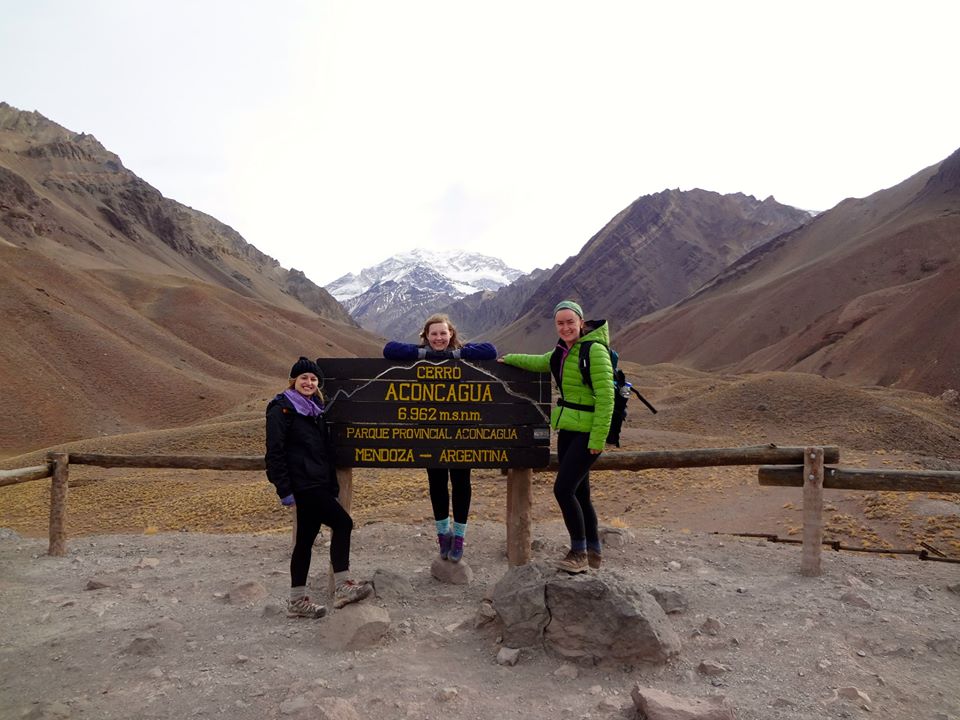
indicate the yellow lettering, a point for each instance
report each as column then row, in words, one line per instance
column 486, row 433
column 473, row 455
column 383, row 455
column 439, row 372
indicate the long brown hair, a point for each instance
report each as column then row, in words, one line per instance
column 440, row 318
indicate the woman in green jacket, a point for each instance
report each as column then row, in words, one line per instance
column 582, row 420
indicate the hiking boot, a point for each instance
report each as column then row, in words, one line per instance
column 303, row 607
column 573, row 562
column 594, row 559
column 456, row 551
column 446, row 542
column 351, row 591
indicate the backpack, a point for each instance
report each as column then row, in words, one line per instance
column 621, row 388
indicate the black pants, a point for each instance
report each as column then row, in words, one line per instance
column 316, row 507
column 572, row 486
column 440, row 497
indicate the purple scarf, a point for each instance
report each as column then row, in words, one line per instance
column 303, row 404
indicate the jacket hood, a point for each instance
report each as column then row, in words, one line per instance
column 600, row 332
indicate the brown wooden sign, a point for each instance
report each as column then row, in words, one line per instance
column 428, row 413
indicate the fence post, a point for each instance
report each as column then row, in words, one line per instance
column 58, row 504
column 519, row 503
column 812, row 511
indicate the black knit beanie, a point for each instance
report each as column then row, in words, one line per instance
column 303, row 365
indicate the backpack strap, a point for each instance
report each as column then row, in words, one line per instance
column 584, row 363
column 556, row 364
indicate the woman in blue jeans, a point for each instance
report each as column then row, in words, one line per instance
column 439, row 341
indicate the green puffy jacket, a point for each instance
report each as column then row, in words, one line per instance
column 596, row 422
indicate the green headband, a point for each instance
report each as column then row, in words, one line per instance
column 568, row 305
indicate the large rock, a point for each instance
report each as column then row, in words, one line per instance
column 451, row 573
column 354, row 627
column 520, row 601
column 600, row 618
column 391, row 586
column 586, row 617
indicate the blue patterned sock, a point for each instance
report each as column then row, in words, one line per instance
column 459, row 529
column 578, row 545
column 443, row 526
column 595, row 546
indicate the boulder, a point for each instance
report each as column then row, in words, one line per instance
column 598, row 618
column 519, row 599
column 452, row 573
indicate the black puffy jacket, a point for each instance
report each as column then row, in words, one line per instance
column 299, row 452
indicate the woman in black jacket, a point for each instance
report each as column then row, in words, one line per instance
column 439, row 341
column 299, row 464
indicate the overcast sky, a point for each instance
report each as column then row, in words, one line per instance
column 333, row 134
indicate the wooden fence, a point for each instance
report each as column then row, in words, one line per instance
column 779, row 466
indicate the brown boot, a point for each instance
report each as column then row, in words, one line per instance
column 594, row 559
column 573, row 562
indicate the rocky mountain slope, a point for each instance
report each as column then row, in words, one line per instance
column 655, row 252
column 62, row 194
column 122, row 310
column 866, row 292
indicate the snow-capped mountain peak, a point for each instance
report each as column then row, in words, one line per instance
column 461, row 273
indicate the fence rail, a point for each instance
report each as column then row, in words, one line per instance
column 22, row 475
column 837, row 478
column 777, row 467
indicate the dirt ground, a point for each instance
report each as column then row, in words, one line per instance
column 162, row 639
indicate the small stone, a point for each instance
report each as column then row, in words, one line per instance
column 861, row 653
column 155, row 672
column 508, row 656
column 143, row 645
column 852, row 598
column 711, row 668
column 783, row 703
column 241, row 659
column 673, row 565
column 853, row 693
column 96, row 584
column 595, row 689
column 923, row 592
column 954, row 588
column 567, row 671
column 148, row 563
column 295, row 705
column 711, row 626
column 452, row 573
column 670, row 600
column 485, row 614
column 447, row 694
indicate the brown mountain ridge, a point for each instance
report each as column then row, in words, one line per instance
column 122, row 310
column 866, row 292
column 655, row 252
